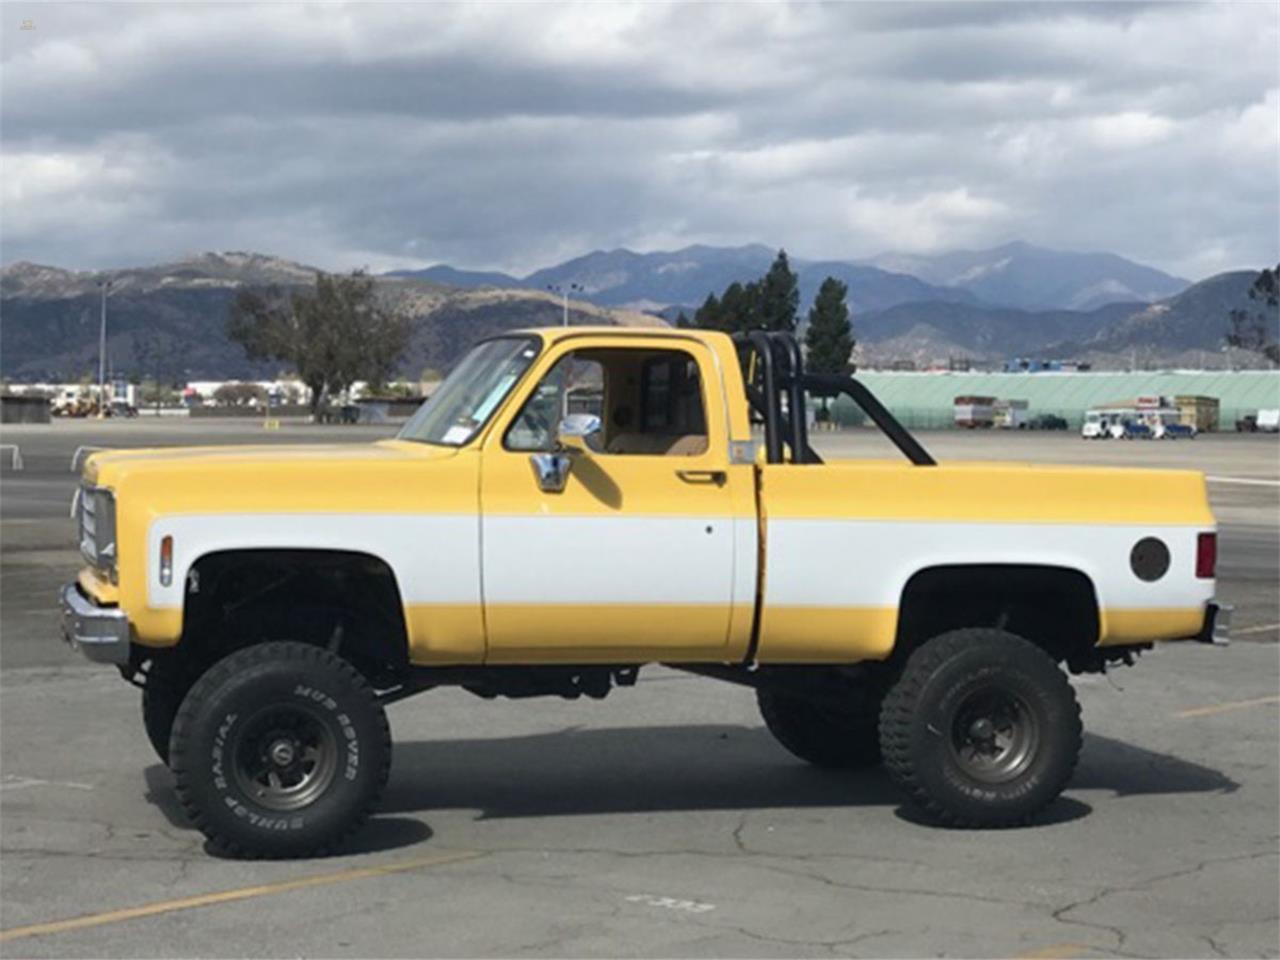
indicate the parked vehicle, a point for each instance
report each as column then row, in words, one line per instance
column 270, row 601
column 1098, row 426
column 974, row 412
column 1047, row 421
column 1173, row 430
column 1264, row 421
column 1010, row 414
column 1132, row 430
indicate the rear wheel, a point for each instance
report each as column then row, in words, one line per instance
column 280, row 750
column 819, row 734
column 982, row 729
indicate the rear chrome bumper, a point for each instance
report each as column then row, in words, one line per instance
column 100, row 633
column 1217, row 624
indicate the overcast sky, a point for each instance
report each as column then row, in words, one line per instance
column 513, row 136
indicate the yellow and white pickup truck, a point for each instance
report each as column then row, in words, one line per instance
column 575, row 503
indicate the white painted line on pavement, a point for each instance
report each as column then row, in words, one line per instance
column 670, row 903
column 1247, row 481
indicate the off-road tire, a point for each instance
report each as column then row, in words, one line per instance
column 248, row 708
column 823, row 737
column 924, row 728
column 167, row 684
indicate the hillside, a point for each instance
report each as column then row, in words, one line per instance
column 929, row 332
column 1188, row 321
column 1183, row 330
column 1035, row 278
column 169, row 320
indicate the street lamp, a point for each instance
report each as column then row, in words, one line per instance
column 563, row 290
column 105, row 286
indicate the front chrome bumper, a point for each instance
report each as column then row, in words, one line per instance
column 100, row 633
column 1217, row 624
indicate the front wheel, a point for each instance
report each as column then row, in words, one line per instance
column 280, row 750
column 982, row 729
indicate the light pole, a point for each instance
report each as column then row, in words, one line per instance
column 563, row 290
column 105, row 286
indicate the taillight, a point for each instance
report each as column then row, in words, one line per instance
column 1206, row 555
column 166, row 561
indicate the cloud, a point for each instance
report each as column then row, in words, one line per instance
column 512, row 135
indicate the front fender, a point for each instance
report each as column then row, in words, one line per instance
column 433, row 558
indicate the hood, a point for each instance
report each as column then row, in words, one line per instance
column 392, row 475
column 108, row 468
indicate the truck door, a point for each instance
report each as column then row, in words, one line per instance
column 650, row 545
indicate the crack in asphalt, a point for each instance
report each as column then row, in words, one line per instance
column 905, row 891
column 1060, row 913
column 834, row 947
column 1216, row 947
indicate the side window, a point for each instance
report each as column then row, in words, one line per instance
column 573, row 385
column 649, row 402
column 672, row 396
column 670, row 419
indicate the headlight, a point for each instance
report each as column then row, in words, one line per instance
column 98, row 529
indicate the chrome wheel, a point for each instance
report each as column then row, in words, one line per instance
column 994, row 735
column 285, row 758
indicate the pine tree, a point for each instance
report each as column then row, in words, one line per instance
column 682, row 321
column 707, row 316
column 739, row 307
column 1256, row 329
column 829, row 338
column 779, row 296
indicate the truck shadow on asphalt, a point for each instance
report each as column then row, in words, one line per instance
column 580, row 772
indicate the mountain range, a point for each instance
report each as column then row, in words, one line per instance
column 169, row 319
column 1186, row 329
column 1013, row 275
column 669, row 281
column 1033, row 278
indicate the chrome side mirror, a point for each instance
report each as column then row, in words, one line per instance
column 551, row 471
column 576, row 432
column 574, row 435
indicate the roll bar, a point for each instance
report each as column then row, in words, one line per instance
column 773, row 369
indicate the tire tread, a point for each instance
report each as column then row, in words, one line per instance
column 902, row 705
column 240, row 662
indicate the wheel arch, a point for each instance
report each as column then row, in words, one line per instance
column 348, row 601
column 1056, row 607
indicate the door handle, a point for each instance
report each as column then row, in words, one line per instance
column 717, row 477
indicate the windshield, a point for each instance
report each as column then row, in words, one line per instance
column 468, row 396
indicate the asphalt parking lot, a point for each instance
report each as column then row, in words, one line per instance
column 663, row 821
